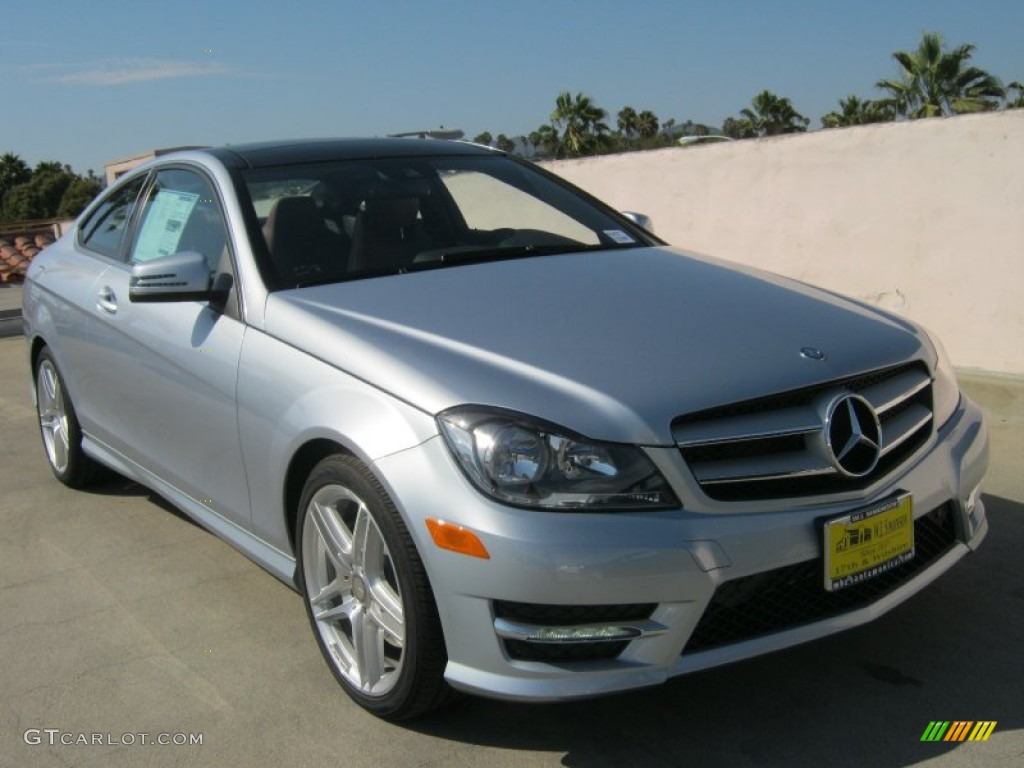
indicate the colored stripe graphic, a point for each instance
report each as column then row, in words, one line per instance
column 958, row 730
column 982, row 730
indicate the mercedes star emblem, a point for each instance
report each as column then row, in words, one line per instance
column 853, row 435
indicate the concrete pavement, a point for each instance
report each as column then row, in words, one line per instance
column 119, row 616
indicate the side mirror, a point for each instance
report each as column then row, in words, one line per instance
column 183, row 276
column 642, row 220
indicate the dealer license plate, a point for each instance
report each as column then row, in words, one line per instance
column 865, row 543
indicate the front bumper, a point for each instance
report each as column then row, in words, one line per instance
column 671, row 560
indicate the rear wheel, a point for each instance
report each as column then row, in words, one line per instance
column 58, row 425
column 367, row 594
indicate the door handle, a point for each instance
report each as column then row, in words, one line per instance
column 106, row 300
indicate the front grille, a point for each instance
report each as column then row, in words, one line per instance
column 772, row 447
column 788, row 597
column 567, row 615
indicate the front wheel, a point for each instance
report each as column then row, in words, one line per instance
column 367, row 594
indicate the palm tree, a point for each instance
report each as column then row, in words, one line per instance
column 13, row 171
column 549, row 139
column 50, row 166
column 736, row 129
column 935, row 82
column 504, row 143
column 581, row 123
column 854, row 111
column 647, row 124
column 484, row 138
column 626, row 120
column 535, row 140
column 668, row 128
column 773, row 115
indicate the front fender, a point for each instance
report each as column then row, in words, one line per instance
column 288, row 398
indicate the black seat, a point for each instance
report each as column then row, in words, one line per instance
column 301, row 247
column 386, row 234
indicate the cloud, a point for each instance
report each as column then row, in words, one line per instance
column 121, row 71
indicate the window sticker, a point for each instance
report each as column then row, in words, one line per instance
column 619, row 236
column 164, row 223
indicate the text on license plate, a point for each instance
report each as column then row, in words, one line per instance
column 870, row 541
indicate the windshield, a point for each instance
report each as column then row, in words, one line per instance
column 335, row 221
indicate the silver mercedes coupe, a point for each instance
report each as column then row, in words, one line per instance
column 501, row 439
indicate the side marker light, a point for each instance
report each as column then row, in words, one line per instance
column 456, row 538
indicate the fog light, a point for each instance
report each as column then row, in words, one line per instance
column 581, row 634
column 577, row 633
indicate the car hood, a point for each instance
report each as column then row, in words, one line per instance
column 613, row 344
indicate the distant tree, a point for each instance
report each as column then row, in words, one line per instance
column 23, row 202
column 50, row 166
column 701, row 130
column 504, row 143
column 1016, row 102
column 13, row 171
column 535, row 139
column 935, row 82
column 773, row 115
column 647, row 124
column 626, row 121
column 580, row 123
column 855, row 111
column 549, row 140
column 50, row 181
column 51, row 189
column 484, row 138
column 736, row 129
column 79, row 194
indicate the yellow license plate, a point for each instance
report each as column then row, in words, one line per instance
column 865, row 543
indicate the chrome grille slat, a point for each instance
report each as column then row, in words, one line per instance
column 774, row 468
column 890, row 393
column 787, row 421
column 903, row 426
column 773, row 447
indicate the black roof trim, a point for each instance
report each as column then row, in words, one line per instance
column 271, row 153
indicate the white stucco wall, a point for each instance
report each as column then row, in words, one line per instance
column 923, row 218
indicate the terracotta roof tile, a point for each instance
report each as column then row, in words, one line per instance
column 17, row 251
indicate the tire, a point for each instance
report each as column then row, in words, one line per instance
column 367, row 595
column 58, row 426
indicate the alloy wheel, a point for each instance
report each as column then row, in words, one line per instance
column 353, row 590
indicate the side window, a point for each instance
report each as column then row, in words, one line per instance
column 104, row 230
column 180, row 214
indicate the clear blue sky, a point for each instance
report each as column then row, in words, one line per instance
column 86, row 82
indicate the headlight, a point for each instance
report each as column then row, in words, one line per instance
column 524, row 461
column 945, row 390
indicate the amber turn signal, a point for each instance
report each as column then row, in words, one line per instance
column 456, row 538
